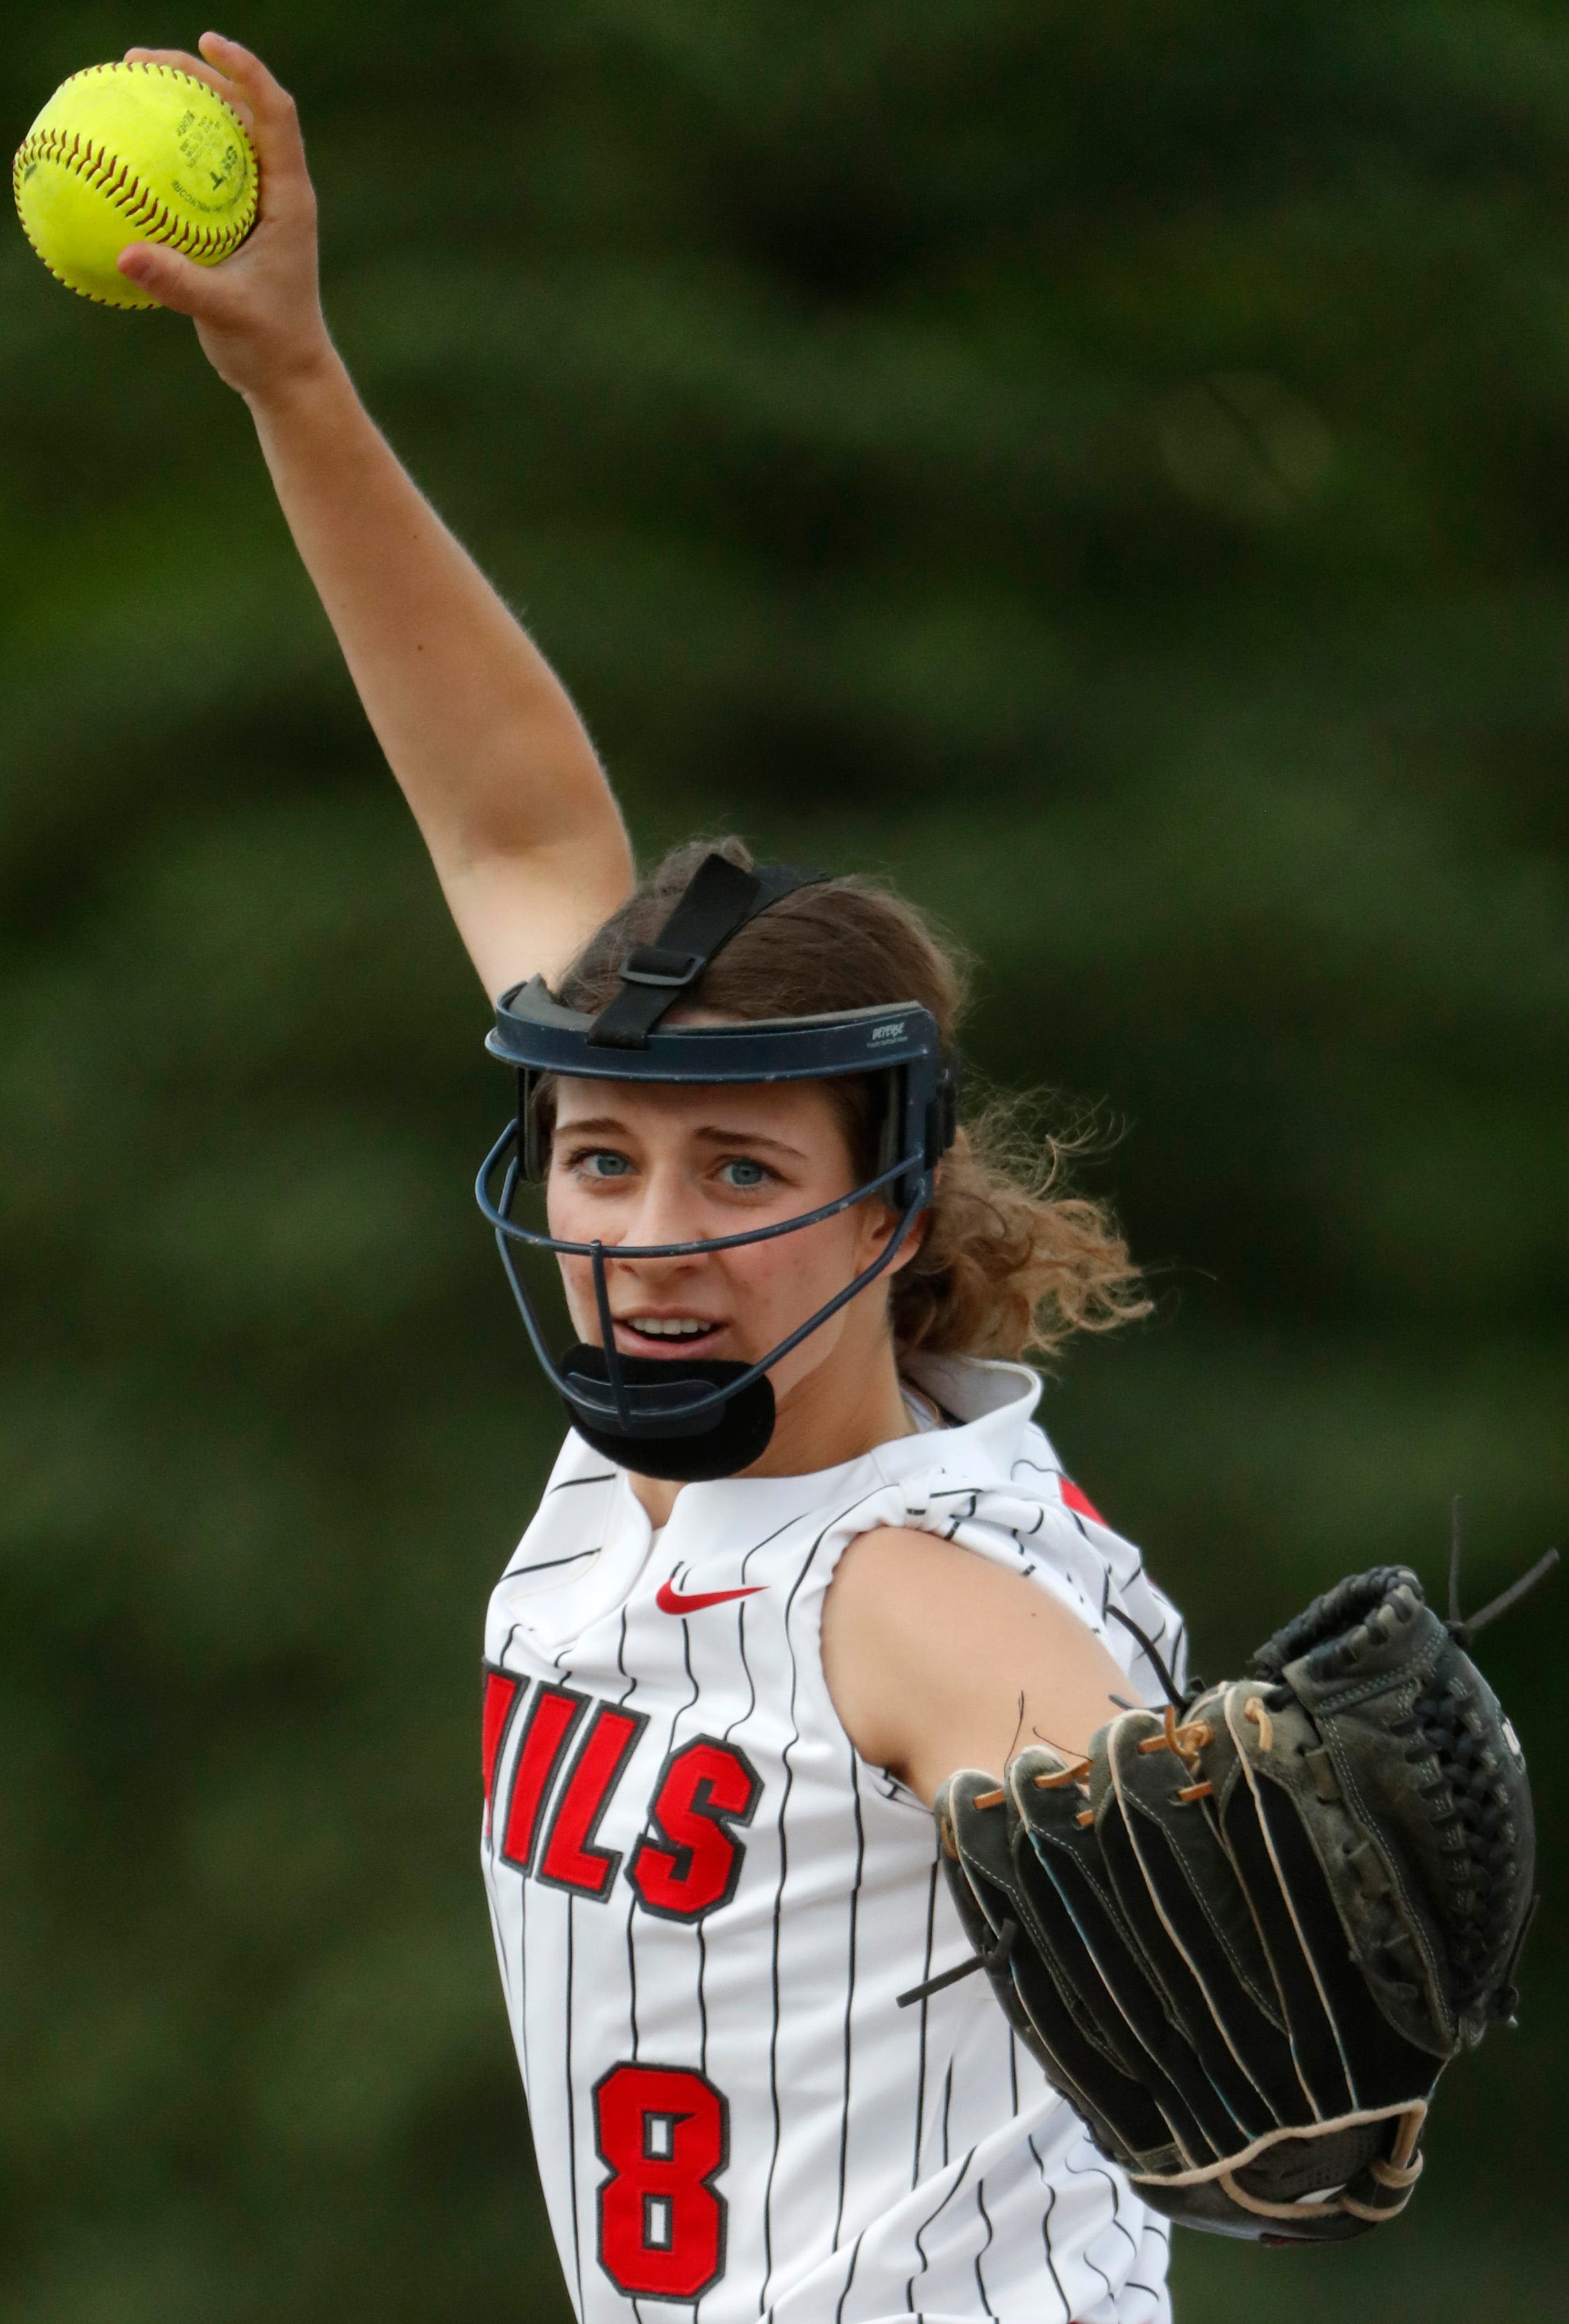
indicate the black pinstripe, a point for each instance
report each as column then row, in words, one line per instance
column 743, row 1716
column 774, row 1535
column 488, row 1842
column 849, row 2280
column 702, row 1938
column 740, row 1720
column 783, row 1875
column 572, row 2111
column 986, row 2247
column 930, row 2222
column 546, row 1797
column 926, row 1970
column 961, row 1517
column 1046, row 2232
column 549, row 1564
column 1099, row 2170
column 1068, row 2165
column 630, row 1893
column 523, row 2002
column 500, row 1951
column 622, row 1699
column 850, row 1989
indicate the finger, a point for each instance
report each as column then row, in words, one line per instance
column 266, row 93
column 180, row 60
column 175, row 282
column 177, row 60
column 277, row 122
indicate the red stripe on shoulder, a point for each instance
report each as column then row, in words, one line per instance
column 1081, row 1503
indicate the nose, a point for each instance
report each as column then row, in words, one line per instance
column 665, row 1210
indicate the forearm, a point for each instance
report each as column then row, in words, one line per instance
column 478, row 729
column 503, row 780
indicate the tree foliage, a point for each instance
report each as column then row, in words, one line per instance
column 1108, row 468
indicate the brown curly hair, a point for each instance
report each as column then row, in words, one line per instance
column 1011, row 1263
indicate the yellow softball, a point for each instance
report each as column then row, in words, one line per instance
column 124, row 154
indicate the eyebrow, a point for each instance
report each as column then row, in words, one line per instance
column 603, row 1124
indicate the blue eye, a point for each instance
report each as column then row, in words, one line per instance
column 602, row 1162
column 746, row 1174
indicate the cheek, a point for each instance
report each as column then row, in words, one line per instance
column 796, row 1271
column 560, row 1208
column 572, row 1214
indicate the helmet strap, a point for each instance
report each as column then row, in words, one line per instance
column 715, row 905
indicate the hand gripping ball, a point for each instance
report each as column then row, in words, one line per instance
column 124, row 154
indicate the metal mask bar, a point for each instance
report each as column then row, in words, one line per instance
column 619, row 1407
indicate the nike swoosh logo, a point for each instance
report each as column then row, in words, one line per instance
column 672, row 1601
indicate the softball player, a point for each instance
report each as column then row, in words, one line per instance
column 806, row 1549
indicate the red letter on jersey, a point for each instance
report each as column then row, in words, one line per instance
column 554, row 1713
column 665, row 2133
column 568, row 1859
column 692, row 1859
column 502, row 1691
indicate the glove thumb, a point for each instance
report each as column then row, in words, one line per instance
column 174, row 281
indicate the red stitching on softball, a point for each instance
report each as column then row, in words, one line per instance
column 140, row 206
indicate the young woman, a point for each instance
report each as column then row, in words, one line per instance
column 720, row 1693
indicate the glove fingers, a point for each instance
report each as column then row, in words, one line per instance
column 1075, row 1919
column 1133, row 2121
column 1078, row 1914
column 1077, row 2060
column 1314, row 2045
column 1218, row 1973
column 1239, row 2113
column 1378, row 2066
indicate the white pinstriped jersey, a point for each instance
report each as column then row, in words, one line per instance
column 705, row 1904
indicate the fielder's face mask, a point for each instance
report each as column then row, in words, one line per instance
column 702, row 1418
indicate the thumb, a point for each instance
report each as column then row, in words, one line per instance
column 174, row 281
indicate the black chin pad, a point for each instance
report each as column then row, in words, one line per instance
column 662, row 1443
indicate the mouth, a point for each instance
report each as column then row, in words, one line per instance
column 666, row 1335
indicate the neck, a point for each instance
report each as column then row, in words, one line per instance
column 844, row 1407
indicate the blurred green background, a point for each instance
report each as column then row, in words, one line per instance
column 1108, row 466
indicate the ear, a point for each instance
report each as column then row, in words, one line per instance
column 882, row 1223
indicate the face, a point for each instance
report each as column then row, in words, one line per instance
column 658, row 1165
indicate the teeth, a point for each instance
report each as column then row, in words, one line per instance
column 668, row 1327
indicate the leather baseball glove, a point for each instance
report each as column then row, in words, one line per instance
column 1245, row 1936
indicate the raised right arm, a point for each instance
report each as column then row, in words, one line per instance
column 503, row 780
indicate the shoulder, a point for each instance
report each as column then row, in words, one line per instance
column 937, row 1657
column 898, row 1561
column 911, row 1602
column 907, row 1579
column 1015, row 1506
